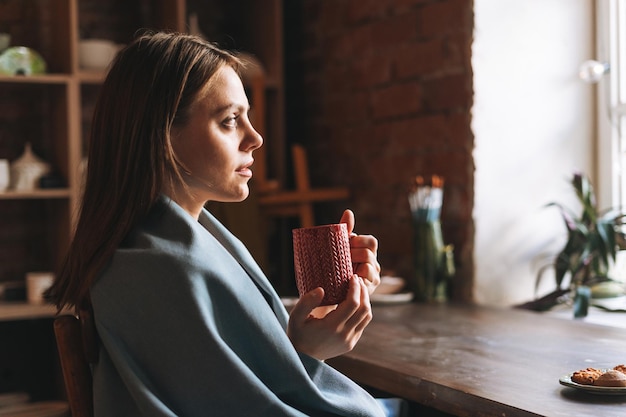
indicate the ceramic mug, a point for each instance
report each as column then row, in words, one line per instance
column 322, row 259
column 5, row 178
column 36, row 285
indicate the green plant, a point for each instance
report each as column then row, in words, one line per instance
column 593, row 239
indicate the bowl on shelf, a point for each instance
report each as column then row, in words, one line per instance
column 20, row 60
column 96, row 54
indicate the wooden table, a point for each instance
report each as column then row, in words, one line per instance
column 477, row 361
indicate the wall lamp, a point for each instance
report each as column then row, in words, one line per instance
column 592, row 71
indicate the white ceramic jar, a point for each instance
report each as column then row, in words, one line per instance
column 27, row 170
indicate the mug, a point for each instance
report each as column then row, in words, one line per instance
column 322, row 259
column 4, row 175
column 36, row 285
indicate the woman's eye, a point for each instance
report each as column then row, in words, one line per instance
column 230, row 121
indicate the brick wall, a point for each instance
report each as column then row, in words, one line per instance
column 380, row 91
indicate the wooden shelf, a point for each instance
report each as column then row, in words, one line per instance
column 19, row 310
column 36, row 194
column 306, row 196
column 36, row 79
column 91, row 77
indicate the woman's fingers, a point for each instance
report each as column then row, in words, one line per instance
column 363, row 315
column 306, row 304
column 348, row 218
column 338, row 331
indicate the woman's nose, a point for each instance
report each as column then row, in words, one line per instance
column 254, row 138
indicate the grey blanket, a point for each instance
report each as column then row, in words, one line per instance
column 190, row 326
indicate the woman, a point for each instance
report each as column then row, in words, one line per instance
column 188, row 323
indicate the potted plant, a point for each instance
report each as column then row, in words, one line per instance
column 582, row 266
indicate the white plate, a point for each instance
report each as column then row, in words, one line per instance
column 592, row 389
column 390, row 285
column 399, row 298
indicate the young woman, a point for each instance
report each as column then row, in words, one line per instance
column 188, row 323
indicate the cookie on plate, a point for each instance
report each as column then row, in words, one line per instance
column 621, row 368
column 611, row 378
column 586, row 376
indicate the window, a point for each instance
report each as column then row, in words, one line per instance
column 611, row 49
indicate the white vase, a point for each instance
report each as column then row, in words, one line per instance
column 27, row 170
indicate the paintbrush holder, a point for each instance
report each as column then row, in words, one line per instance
column 430, row 257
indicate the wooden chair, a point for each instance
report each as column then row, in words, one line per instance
column 77, row 344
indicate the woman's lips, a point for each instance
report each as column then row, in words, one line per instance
column 245, row 170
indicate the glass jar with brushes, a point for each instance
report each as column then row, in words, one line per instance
column 433, row 260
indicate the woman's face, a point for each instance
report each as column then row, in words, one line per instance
column 215, row 145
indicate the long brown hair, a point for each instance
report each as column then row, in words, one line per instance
column 149, row 88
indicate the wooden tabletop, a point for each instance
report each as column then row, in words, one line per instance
column 478, row 361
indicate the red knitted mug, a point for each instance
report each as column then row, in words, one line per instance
column 322, row 259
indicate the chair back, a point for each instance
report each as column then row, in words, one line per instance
column 77, row 344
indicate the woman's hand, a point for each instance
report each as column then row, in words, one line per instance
column 328, row 331
column 363, row 250
column 338, row 331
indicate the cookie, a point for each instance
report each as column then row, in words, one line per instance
column 611, row 378
column 621, row 368
column 586, row 376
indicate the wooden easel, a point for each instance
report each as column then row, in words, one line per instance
column 299, row 202
column 274, row 201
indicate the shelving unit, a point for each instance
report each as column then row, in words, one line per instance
column 51, row 112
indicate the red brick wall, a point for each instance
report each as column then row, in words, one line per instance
column 380, row 91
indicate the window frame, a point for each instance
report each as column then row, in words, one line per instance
column 611, row 104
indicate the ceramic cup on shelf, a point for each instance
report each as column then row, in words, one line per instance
column 36, row 285
column 4, row 175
